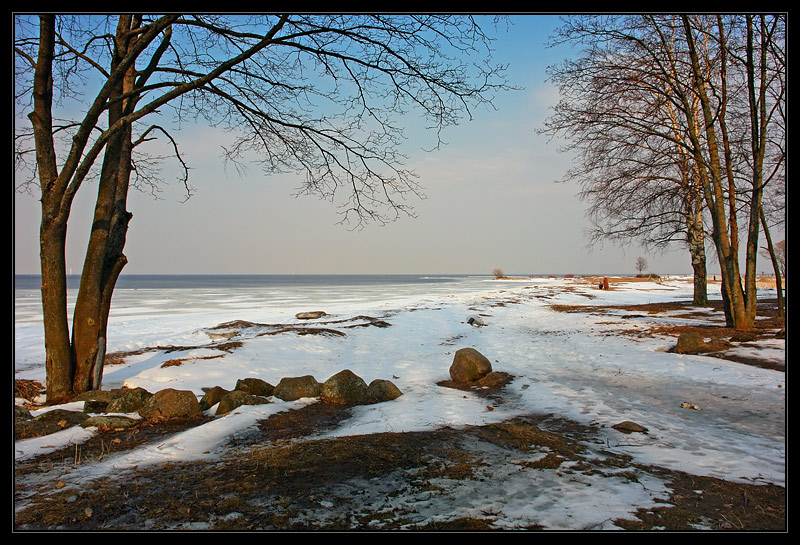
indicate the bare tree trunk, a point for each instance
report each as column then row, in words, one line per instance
column 104, row 258
column 102, row 266
column 776, row 266
column 58, row 364
column 697, row 251
column 758, row 138
column 733, row 299
column 53, row 228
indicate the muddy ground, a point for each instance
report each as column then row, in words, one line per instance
column 271, row 481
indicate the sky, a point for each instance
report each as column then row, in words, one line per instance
column 491, row 201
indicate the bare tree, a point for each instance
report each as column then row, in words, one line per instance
column 675, row 109
column 319, row 94
column 641, row 265
column 634, row 164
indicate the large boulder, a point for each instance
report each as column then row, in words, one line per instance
column 93, row 406
column 344, row 387
column 22, row 413
column 255, row 386
column 102, row 396
column 469, row 365
column 128, row 400
column 237, row 398
column 211, row 397
column 689, row 342
column 171, row 404
column 293, row 388
column 47, row 423
column 110, row 422
column 380, row 390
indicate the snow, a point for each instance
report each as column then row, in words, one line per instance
column 565, row 364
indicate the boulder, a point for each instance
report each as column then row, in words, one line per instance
column 226, row 335
column 380, row 390
column 689, row 342
column 313, row 315
column 469, row 365
column 237, row 398
column 292, row 388
column 106, row 422
column 22, row 412
column 629, row 427
column 211, row 397
column 96, row 395
column 344, row 387
column 493, row 381
column 128, row 400
column 255, row 386
column 170, row 404
column 92, row 406
column 47, row 423
column 476, row 321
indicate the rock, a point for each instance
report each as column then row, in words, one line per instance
column 22, row 412
column 237, row 398
column 380, row 390
column 310, row 315
column 689, row 342
column 744, row 336
column 96, row 395
column 493, row 381
column 476, row 321
column 629, row 427
column 92, row 406
column 469, row 365
column 170, row 404
column 255, row 386
column 344, row 387
column 47, row 423
column 212, row 397
column 226, row 335
column 106, row 422
column 687, row 405
column 292, row 388
column 129, row 400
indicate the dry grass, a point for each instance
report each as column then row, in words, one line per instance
column 274, row 480
column 28, row 389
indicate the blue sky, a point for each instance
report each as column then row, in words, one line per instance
column 491, row 201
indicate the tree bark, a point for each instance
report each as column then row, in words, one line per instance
column 733, row 299
column 776, row 266
column 697, row 251
column 53, row 227
column 104, row 258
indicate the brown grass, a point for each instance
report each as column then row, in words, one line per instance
column 28, row 389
